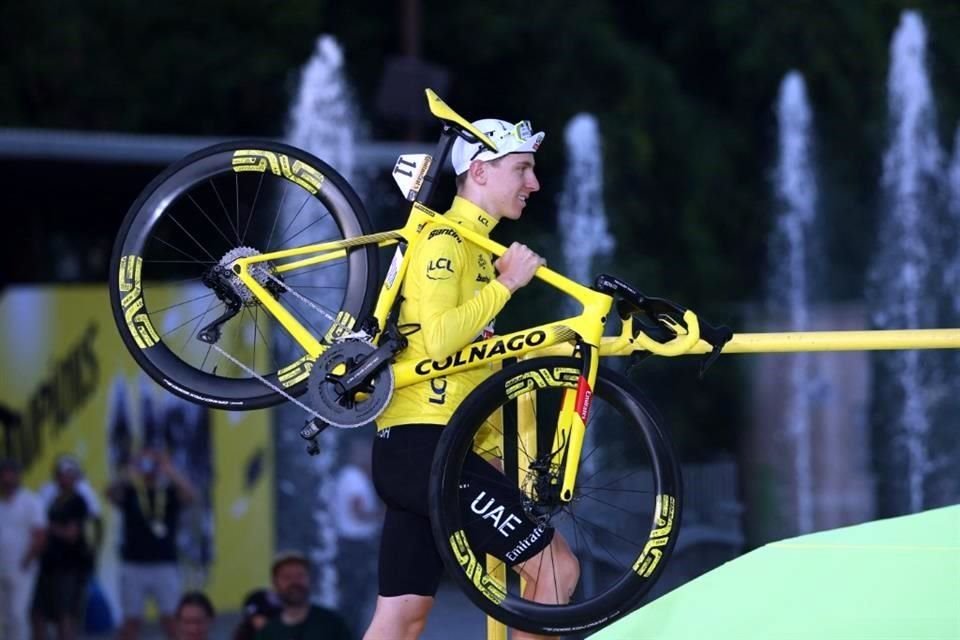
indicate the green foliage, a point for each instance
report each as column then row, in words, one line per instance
column 684, row 93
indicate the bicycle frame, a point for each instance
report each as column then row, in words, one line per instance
column 587, row 328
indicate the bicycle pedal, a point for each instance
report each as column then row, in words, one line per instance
column 313, row 448
column 312, row 429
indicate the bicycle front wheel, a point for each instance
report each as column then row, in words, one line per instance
column 623, row 519
column 237, row 199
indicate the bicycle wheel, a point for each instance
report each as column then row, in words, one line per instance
column 621, row 524
column 236, row 199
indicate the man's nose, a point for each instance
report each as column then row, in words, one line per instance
column 532, row 183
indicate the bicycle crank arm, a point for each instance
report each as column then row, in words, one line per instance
column 310, row 431
column 356, row 380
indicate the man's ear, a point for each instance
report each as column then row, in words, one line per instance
column 478, row 171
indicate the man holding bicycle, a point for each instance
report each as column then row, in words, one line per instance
column 452, row 293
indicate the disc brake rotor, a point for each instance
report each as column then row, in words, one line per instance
column 327, row 396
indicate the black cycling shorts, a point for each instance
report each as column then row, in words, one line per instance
column 493, row 515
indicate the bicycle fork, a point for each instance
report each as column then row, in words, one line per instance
column 571, row 426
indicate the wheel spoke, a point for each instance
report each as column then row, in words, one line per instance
column 295, row 216
column 256, row 195
column 180, row 304
column 226, row 213
column 283, row 197
column 182, row 252
column 189, row 235
column 183, row 324
column 302, row 230
column 212, row 223
column 602, row 546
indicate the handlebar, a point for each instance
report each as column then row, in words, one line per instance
column 685, row 336
column 664, row 327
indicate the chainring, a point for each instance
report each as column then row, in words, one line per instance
column 328, row 399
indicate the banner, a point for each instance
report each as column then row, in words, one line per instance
column 68, row 385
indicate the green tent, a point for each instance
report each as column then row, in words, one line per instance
column 895, row 579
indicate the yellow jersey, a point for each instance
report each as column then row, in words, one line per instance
column 450, row 291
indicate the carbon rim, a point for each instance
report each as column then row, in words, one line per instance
column 622, row 523
column 198, row 211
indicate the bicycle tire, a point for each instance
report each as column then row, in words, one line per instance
column 635, row 569
column 254, row 187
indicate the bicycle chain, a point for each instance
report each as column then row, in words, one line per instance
column 268, row 383
column 259, row 377
column 299, row 296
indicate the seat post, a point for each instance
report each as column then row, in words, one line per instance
column 447, row 137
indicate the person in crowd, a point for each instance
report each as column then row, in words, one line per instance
column 68, row 464
column 22, row 536
column 194, row 616
column 150, row 494
column 358, row 516
column 298, row 617
column 66, row 564
column 259, row 607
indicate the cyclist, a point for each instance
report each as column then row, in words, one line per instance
column 453, row 294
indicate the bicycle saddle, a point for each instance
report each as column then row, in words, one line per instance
column 452, row 119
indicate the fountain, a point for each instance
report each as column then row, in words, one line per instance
column 791, row 256
column 581, row 217
column 904, row 280
column 952, row 271
column 324, row 122
column 322, row 117
column 809, row 448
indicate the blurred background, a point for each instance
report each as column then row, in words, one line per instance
column 774, row 166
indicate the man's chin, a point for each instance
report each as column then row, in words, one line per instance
column 295, row 598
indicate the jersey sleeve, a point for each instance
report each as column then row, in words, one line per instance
column 447, row 323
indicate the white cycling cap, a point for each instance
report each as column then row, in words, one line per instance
column 509, row 138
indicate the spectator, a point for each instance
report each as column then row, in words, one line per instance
column 48, row 492
column 299, row 618
column 21, row 542
column 67, row 560
column 150, row 495
column 358, row 515
column 194, row 616
column 259, row 607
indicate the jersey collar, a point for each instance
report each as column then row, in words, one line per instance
column 464, row 212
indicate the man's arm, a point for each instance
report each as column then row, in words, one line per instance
column 93, row 512
column 447, row 324
column 38, row 533
column 185, row 491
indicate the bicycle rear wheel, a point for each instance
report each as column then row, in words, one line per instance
column 621, row 524
column 236, row 199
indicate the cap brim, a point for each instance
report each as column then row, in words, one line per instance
column 531, row 144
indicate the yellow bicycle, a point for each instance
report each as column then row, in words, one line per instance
column 244, row 276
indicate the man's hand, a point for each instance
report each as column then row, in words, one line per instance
column 517, row 266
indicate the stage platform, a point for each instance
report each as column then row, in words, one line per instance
column 893, row 579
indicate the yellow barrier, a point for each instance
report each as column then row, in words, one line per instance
column 839, row 341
